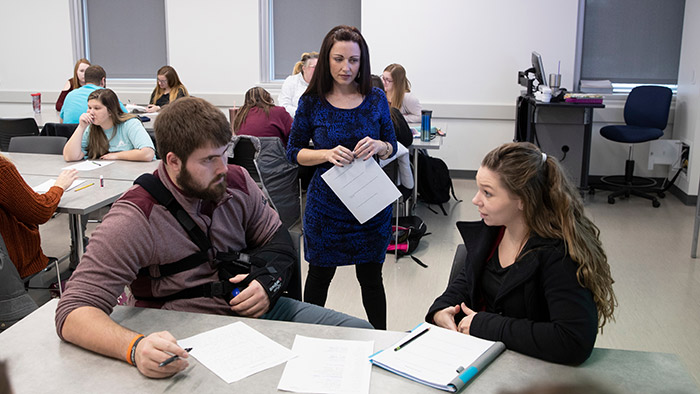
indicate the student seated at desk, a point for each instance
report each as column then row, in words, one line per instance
column 22, row 210
column 398, row 91
column 168, row 89
column 261, row 118
column 77, row 81
column 536, row 276
column 75, row 103
column 138, row 237
column 106, row 132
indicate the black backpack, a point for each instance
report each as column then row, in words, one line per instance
column 410, row 231
column 434, row 182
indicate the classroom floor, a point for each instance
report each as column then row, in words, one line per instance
column 657, row 283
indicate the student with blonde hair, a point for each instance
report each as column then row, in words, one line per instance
column 168, row 89
column 536, row 276
column 260, row 117
column 398, row 91
column 296, row 84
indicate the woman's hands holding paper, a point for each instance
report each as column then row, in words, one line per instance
column 339, row 156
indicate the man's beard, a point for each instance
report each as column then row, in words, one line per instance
column 213, row 192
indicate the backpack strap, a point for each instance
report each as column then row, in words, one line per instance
column 268, row 264
column 155, row 187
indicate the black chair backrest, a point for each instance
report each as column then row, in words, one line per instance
column 38, row 144
column 244, row 155
column 648, row 106
column 16, row 127
column 60, row 129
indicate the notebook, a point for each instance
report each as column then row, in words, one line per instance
column 437, row 357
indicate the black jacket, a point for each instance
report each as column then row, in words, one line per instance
column 541, row 310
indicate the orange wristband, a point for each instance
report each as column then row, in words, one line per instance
column 130, row 350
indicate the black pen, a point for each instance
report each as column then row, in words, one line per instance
column 173, row 358
column 411, row 339
column 96, row 163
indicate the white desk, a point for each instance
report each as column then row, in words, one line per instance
column 77, row 203
column 52, row 165
column 39, row 362
column 435, row 143
column 36, row 168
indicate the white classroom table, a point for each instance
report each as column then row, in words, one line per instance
column 77, row 203
column 118, row 177
column 52, row 165
column 39, row 362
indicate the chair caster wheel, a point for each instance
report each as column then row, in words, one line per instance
column 655, row 203
column 611, row 200
column 661, row 194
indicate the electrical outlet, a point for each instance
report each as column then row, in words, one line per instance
column 685, row 157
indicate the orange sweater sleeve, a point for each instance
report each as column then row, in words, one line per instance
column 20, row 201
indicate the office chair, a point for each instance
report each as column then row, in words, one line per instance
column 16, row 127
column 15, row 302
column 37, row 144
column 646, row 115
column 266, row 161
column 59, row 129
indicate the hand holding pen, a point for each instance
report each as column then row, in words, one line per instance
column 155, row 349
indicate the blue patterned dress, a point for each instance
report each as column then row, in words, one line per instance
column 332, row 235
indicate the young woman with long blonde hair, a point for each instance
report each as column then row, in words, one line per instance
column 536, row 276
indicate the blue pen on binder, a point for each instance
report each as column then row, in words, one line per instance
column 477, row 366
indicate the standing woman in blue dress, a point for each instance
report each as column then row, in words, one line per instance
column 346, row 119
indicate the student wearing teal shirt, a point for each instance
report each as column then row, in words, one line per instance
column 75, row 103
column 106, row 132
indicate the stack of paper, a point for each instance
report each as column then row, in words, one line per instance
column 596, row 86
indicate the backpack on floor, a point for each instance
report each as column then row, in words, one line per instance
column 434, row 182
column 410, row 231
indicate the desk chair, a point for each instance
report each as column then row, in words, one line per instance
column 646, row 116
column 266, row 161
column 59, row 129
column 15, row 302
column 16, row 127
column 37, row 144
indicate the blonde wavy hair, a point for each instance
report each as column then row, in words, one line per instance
column 401, row 84
column 173, row 82
column 553, row 208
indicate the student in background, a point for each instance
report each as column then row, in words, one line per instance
column 260, row 117
column 536, row 276
column 77, row 81
column 398, row 91
column 347, row 119
column 106, row 132
column 295, row 85
column 401, row 128
column 76, row 101
column 22, row 210
column 168, row 89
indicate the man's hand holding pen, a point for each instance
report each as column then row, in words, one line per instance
column 157, row 348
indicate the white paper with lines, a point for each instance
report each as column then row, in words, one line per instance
column 363, row 187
